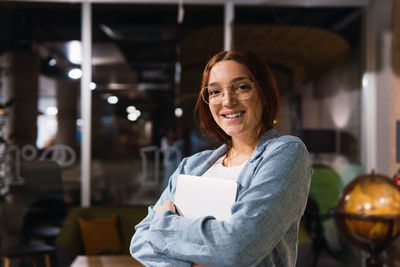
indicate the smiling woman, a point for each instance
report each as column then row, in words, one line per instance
column 237, row 65
column 238, row 118
column 237, row 104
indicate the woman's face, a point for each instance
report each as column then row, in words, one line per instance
column 237, row 118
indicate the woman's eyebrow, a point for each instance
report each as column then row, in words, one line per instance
column 232, row 81
column 239, row 78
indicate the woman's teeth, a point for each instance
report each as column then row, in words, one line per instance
column 234, row 115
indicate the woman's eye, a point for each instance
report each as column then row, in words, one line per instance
column 214, row 91
column 242, row 86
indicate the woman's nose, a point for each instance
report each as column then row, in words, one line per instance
column 228, row 98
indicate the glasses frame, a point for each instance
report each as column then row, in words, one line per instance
column 253, row 84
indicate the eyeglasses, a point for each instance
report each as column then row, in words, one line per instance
column 240, row 90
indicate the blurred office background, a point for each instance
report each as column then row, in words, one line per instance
column 336, row 63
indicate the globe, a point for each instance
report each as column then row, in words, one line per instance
column 368, row 214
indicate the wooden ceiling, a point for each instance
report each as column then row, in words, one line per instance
column 295, row 53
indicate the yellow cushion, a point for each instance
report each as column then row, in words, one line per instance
column 303, row 236
column 100, row 235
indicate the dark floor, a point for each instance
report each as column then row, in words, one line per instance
column 306, row 257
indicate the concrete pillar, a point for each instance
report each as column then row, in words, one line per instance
column 395, row 106
column 20, row 84
column 376, row 110
column 394, row 152
column 67, row 104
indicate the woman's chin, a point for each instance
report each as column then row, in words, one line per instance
column 234, row 132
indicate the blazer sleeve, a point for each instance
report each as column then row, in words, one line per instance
column 274, row 200
column 140, row 247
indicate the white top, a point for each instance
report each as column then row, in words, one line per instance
column 221, row 172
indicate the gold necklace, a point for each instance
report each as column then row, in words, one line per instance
column 228, row 158
column 227, row 161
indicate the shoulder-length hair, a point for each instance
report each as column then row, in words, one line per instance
column 266, row 86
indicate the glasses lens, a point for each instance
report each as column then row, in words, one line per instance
column 212, row 94
column 241, row 90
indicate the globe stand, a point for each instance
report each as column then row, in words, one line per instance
column 374, row 261
column 370, row 232
column 373, row 246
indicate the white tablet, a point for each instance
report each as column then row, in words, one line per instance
column 198, row 196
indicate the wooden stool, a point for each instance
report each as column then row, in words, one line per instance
column 29, row 250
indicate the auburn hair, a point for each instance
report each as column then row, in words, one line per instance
column 265, row 85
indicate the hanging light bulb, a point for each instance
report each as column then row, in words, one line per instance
column 181, row 12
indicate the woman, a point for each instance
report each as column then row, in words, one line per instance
column 237, row 104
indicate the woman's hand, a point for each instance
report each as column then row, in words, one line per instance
column 168, row 205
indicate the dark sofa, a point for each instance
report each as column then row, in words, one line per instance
column 69, row 242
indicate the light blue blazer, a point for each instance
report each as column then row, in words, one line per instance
column 263, row 229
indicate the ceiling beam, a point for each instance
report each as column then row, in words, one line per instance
column 293, row 3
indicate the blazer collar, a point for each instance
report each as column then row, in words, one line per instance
column 267, row 136
column 262, row 143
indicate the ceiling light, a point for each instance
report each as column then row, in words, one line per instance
column 112, row 99
column 52, row 62
column 137, row 113
column 75, row 74
column 51, row 111
column 178, row 112
column 74, row 52
column 92, row 85
column 133, row 113
column 132, row 117
column 130, row 109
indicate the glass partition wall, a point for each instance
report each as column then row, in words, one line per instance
column 39, row 114
column 147, row 62
column 39, row 92
column 142, row 121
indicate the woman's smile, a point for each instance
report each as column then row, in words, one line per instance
column 232, row 115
